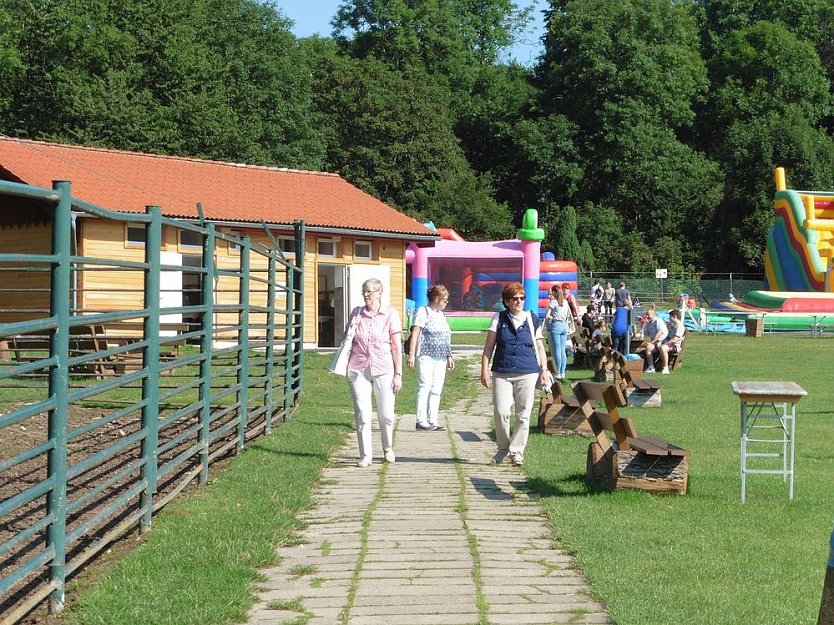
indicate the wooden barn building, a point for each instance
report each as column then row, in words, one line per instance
column 350, row 235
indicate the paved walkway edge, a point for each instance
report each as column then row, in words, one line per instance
column 440, row 537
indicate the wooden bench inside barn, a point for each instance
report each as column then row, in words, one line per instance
column 629, row 461
column 85, row 344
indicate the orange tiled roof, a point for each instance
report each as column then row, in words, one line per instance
column 129, row 181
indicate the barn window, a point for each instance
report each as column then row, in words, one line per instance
column 363, row 250
column 287, row 244
column 234, row 248
column 134, row 235
column 328, row 247
column 191, row 240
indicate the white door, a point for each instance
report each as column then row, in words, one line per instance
column 170, row 290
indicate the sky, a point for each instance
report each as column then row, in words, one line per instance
column 313, row 17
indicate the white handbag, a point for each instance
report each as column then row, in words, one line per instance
column 339, row 361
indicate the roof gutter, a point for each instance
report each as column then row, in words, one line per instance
column 411, row 236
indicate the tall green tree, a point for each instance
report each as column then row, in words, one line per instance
column 530, row 157
column 392, row 136
column 218, row 79
column 769, row 98
column 11, row 66
column 627, row 75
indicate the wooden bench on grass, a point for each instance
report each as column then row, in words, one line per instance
column 632, row 388
column 581, row 344
column 629, row 461
column 675, row 358
column 559, row 413
column 604, row 362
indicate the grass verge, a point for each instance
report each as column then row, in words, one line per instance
column 199, row 563
column 700, row 558
column 704, row 557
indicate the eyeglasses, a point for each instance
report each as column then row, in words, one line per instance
column 445, row 300
column 368, row 293
column 518, row 298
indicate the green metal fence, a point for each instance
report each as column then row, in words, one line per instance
column 116, row 394
column 704, row 287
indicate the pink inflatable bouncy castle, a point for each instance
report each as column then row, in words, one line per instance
column 475, row 272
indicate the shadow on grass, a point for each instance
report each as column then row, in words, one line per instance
column 284, row 452
column 571, row 485
column 344, row 425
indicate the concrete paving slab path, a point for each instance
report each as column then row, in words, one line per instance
column 441, row 537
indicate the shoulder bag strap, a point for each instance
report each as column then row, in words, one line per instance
column 533, row 333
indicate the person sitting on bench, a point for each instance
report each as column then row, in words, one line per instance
column 589, row 320
column 672, row 343
column 597, row 337
column 655, row 332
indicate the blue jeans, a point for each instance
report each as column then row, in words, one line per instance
column 618, row 342
column 558, row 332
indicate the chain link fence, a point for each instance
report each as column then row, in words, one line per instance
column 705, row 288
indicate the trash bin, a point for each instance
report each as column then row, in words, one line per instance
column 754, row 326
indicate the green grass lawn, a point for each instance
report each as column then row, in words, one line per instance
column 702, row 558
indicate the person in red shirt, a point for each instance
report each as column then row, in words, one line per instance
column 571, row 300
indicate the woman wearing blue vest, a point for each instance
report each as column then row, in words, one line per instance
column 514, row 344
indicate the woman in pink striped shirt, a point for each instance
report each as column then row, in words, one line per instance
column 375, row 369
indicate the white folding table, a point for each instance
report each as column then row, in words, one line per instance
column 768, row 427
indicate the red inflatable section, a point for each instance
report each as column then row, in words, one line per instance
column 808, row 304
column 558, row 265
column 449, row 234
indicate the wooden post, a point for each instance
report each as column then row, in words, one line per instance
column 826, row 616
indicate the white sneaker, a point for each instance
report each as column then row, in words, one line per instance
column 517, row 459
column 389, row 456
column 665, row 371
column 650, row 370
column 365, row 462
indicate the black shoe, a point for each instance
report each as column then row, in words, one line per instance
column 424, row 428
column 437, row 428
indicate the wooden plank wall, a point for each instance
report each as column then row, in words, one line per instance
column 123, row 290
column 24, row 289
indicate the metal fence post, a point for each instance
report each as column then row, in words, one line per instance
column 288, row 340
column 59, row 305
column 243, row 343
column 150, row 362
column 206, row 344
column 269, row 352
column 826, row 616
column 298, row 336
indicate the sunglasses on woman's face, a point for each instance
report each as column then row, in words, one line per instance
column 518, row 298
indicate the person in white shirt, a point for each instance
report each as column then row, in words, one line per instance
column 556, row 320
column 654, row 332
column 430, row 349
column 672, row 343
